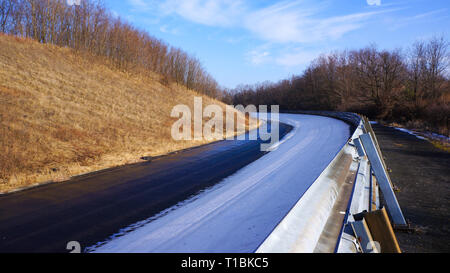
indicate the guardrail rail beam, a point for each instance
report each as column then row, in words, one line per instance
column 383, row 180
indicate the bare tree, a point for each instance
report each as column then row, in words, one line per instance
column 416, row 64
column 437, row 62
column 6, row 7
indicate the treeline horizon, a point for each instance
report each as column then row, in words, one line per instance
column 90, row 27
column 410, row 87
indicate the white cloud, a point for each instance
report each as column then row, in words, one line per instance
column 374, row 2
column 140, row 4
column 257, row 56
column 298, row 21
column 207, row 12
column 297, row 57
column 167, row 29
column 287, row 56
column 294, row 22
column 399, row 22
column 283, row 22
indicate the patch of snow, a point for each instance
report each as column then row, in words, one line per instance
column 239, row 213
column 410, row 132
column 438, row 136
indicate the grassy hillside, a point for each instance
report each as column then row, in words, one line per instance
column 62, row 114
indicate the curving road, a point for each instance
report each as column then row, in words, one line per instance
column 237, row 214
column 234, row 196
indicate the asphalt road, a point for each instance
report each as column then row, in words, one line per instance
column 93, row 207
column 240, row 212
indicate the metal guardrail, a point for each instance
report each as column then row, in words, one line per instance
column 306, row 224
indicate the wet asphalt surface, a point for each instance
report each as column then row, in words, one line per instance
column 422, row 173
column 91, row 208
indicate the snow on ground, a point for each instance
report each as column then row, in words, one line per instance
column 437, row 136
column 409, row 132
column 238, row 214
column 421, row 135
column 425, row 135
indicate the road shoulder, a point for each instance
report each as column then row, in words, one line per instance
column 421, row 172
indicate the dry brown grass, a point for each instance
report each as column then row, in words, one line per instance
column 62, row 114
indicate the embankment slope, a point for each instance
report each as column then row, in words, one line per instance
column 64, row 113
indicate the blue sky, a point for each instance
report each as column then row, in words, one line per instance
column 245, row 42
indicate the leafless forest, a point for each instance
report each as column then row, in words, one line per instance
column 409, row 86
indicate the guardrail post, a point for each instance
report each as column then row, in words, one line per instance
column 383, row 180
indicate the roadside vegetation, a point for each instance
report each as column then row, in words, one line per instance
column 410, row 87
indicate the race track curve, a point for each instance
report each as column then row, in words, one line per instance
column 237, row 214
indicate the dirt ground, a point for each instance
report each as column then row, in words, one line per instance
column 421, row 172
